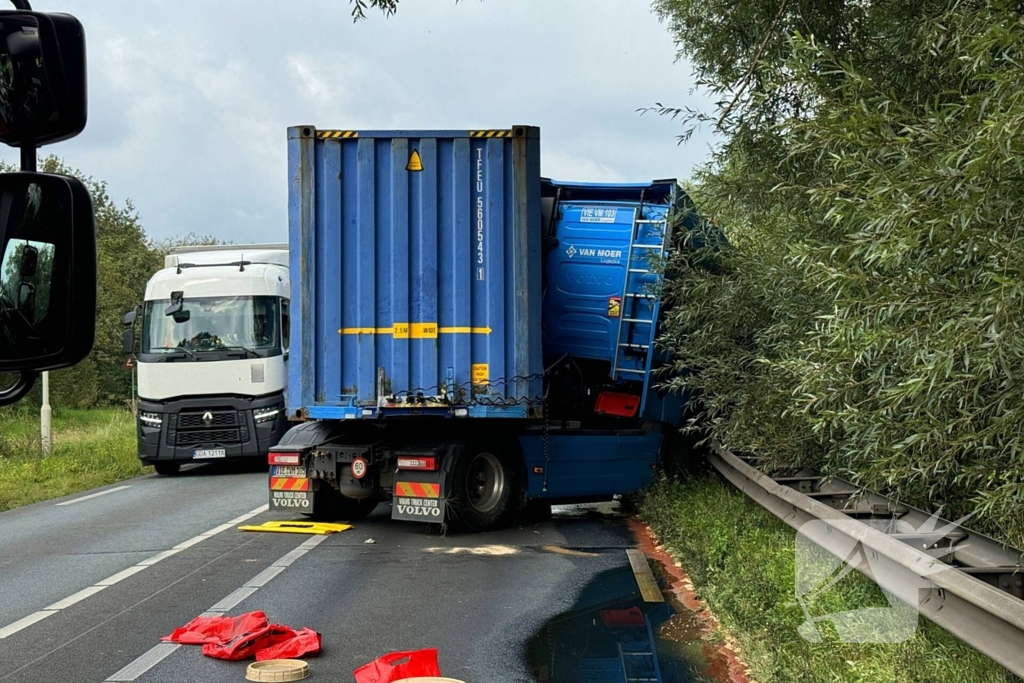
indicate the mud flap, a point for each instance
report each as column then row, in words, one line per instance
column 417, row 497
column 289, row 494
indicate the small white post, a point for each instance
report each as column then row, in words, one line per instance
column 45, row 415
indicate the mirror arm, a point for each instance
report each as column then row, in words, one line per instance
column 22, row 5
column 26, row 380
column 28, row 157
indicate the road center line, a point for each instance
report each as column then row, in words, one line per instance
column 157, row 654
column 75, row 598
column 25, row 622
column 93, row 495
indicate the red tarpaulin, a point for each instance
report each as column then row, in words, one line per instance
column 398, row 666
column 245, row 636
column 622, row 618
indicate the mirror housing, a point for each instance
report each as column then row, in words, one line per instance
column 128, row 341
column 43, row 87
column 128, row 336
column 47, row 272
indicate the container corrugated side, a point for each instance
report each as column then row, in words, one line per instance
column 416, row 272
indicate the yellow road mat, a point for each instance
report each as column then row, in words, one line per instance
column 318, row 528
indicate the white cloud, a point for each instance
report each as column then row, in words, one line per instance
column 190, row 101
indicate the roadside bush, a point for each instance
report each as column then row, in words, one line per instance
column 864, row 317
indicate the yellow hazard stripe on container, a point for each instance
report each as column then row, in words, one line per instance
column 336, row 134
column 289, row 484
column 417, row 490
column 490, row 133
column 415, row 330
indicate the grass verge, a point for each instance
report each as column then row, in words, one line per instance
column 741, row 560
column 90, row 448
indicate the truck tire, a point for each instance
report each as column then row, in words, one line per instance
column 485, row 489
column 330, row 506
column 167, row 468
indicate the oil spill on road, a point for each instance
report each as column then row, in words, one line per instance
column 611, row 635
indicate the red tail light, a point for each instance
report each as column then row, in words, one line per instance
column 407, row 462
column 284, row 459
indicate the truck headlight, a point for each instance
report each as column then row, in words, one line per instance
column 265, row 414
column 151, row 419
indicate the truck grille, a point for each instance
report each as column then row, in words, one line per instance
column 209, row 436
column 221, row 418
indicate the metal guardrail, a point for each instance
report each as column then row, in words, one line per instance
column 976, row 594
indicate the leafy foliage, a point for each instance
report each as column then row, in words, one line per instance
column 126, row 259
column 865, row 315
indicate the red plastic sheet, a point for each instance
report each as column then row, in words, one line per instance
column 245, row 636
column 622, row 618
column 398, row 665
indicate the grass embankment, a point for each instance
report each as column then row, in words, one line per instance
column 741, row 560
column 90, row 448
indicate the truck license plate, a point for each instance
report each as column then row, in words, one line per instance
column 207, row 453
column 288, row 471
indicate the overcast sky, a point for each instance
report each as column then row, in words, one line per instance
column 189, row 101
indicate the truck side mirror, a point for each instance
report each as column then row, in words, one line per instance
column 128, row 341
column 128, row 335
column 47, row 272
column 42, row 78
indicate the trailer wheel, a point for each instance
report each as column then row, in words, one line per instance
column 330, row 506
column 167, row 468
column 485, row 489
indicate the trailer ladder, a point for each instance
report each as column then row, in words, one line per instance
column 641, row 299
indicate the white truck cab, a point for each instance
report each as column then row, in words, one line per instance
column 213, row 354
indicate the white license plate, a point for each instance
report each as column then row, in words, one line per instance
column 206, row 453
column 289, row 471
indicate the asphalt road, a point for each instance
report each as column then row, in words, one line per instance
column 89, row 584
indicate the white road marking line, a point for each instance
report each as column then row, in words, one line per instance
column 216, row 530
column 77, row 597
column 291, row 557
column 123, row 574
column 160, row 652
column 313, row 542
column 234, row 598
column 248, row 515
column 11, row 629
column 266, row 575
column 93, row 495
column 144, row 663
column 149, row 562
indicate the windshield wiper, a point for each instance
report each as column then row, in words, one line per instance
column 176, row 349
column 249, row 353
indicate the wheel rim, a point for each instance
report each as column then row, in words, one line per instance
column 485, row 483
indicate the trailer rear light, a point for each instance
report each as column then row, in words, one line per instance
column 284, row 459
column 409, row 463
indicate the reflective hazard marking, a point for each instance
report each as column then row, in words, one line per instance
column 418, row 490
column 336, row 134
column 481, row 373
column 490, row 133
column 289, row 484
column 415, row 163
column 415, row 330
column 423, row 330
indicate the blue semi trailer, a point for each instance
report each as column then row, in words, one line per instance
column 467, row 337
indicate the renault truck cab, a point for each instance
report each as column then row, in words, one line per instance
column 213, row 355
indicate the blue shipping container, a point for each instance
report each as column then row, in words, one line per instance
column 416, row 273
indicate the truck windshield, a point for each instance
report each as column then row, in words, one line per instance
column 213, row 324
